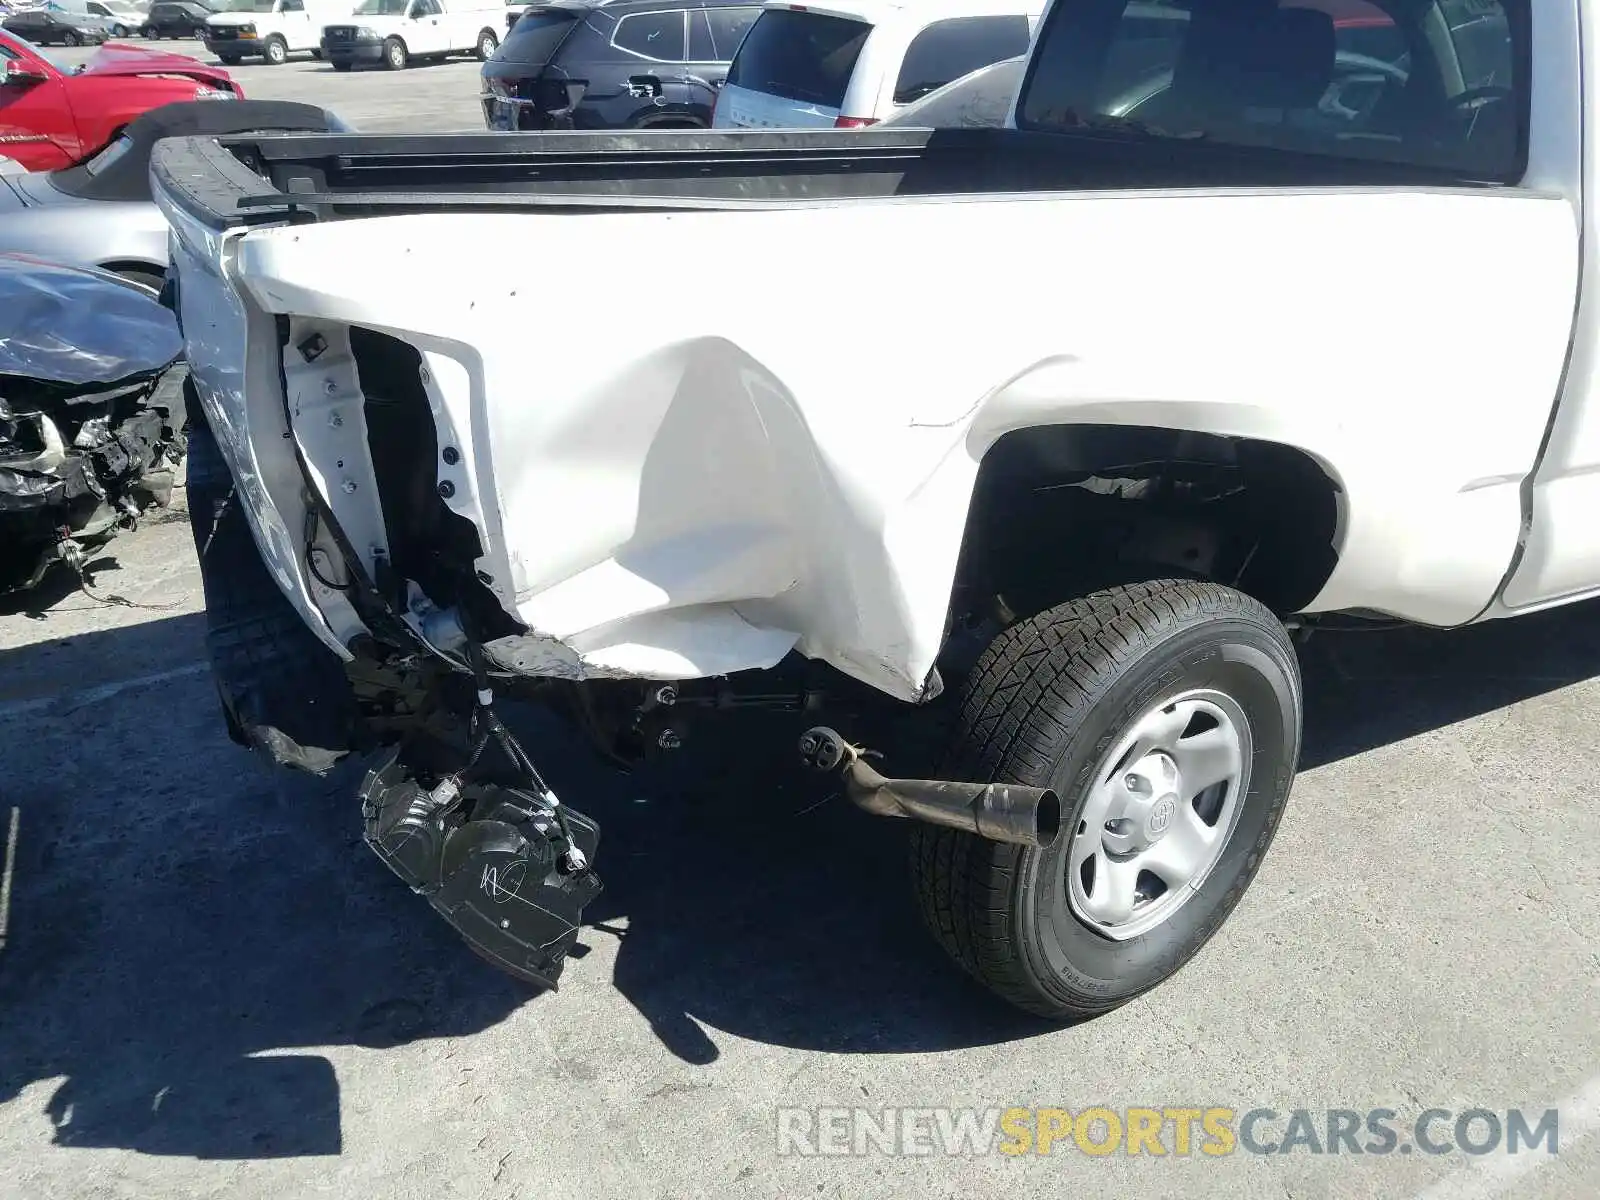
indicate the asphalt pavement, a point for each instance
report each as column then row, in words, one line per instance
column 210, row 987
column 437, row 97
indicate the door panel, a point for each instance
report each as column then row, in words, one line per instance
column 36, row 126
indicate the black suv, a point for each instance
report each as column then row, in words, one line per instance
column 176, row 19
column 44, row 27
column 622, row 64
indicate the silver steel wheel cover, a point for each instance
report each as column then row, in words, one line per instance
column 1160, row 810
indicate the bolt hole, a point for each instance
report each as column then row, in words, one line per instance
column 1149, row 886
column 1120, row 826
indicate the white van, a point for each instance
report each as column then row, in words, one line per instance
column 115, row 18
column 399, row 32
column 848, row 63
column 270, row 30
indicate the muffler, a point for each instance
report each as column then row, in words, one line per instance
column 1001, row 812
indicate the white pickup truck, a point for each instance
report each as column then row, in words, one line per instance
column 1255, row 319
column 270, row 30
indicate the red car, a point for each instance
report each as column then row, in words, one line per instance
column 52, row 116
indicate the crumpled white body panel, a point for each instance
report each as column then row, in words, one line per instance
column 675, row 484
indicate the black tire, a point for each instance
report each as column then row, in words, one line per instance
column 1047, row 702
column 275, row 51
column 71, row 38
column 229, row 60
column 395, row 56
column 282, row 691
column 342, row 65
column 488, row 43
column 119, row 31
column 317, row 54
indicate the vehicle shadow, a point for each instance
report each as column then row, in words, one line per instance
column 1369, row 689
column 182, row 920
column 754, row 912
column 184, row 924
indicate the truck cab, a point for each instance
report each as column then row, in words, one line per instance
column 270, row 30
column 396, row 33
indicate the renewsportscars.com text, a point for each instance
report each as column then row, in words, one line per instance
column 1163, row 1130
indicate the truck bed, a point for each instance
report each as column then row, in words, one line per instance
column 230, row 180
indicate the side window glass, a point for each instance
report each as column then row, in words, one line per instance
column 702, row 48
column 657, row 35
column 728, row 27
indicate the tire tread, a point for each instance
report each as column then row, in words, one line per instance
column 1027, row 694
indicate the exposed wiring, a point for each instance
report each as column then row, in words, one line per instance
column 111, row 599
column 313, row 524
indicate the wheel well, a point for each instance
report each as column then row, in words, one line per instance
column 1059, row 507
column 673, row 122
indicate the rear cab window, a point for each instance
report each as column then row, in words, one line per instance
column 946, row 50
column 658, row 36
column 801, row 56
column 715, row 33
column 1438, row 85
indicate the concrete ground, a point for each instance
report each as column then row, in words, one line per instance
column 211, row 988
column 427, row 96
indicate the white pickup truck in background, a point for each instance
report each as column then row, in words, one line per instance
column 397, row 33
column 270, row 30
column 1257, row 319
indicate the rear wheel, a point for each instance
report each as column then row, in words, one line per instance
column 119, row 31
column 488, row 43
column 72, row 38
column 229, row 60
column 341, row 66
column 395, row 57
column 275, row 51
column 1166, row 715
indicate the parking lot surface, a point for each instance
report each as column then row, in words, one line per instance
column 210, row 987
column 441, row 97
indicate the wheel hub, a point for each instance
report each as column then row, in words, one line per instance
column 1144, row 805
column 1159, row 813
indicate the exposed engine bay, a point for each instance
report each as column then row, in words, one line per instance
column 89, row 438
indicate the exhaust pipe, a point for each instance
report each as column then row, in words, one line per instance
column 1001, row 812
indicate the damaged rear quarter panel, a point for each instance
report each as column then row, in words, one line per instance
column 654, row 500
column 233, row 361
column 786, row 460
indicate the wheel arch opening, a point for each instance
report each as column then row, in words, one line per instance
column 1058, row 509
